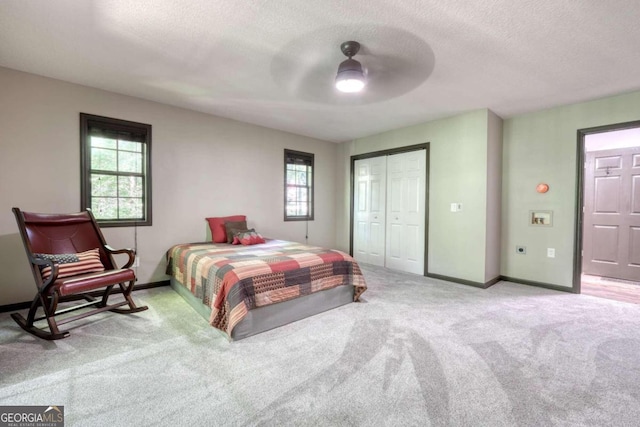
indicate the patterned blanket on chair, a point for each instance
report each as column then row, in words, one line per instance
column 235, row 279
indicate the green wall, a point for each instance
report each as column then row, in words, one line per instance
column 536, row 147
column 542, row 147
column 458, row 173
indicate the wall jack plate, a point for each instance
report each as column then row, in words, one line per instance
column 136, row 262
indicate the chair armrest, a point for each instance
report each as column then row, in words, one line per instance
column 130, row 252
column 46, row 284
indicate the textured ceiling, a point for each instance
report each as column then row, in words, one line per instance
column 273, row 62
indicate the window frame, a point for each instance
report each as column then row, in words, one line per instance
column 114, row 125
column 310, row 185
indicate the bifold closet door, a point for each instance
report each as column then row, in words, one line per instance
column 406, row 216
column 369, row 210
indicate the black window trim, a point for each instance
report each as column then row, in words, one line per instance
column 115, row 125
column 306, row 156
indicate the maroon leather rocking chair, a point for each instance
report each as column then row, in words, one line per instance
column 69, row 257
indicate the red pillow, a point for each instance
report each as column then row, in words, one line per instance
column 218, row 232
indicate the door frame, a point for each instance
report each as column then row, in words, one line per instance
column 388, row 152
column 579, row 217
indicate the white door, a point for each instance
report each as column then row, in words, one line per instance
column 369, row 210
column 406, row 181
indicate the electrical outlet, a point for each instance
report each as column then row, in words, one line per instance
column 521, row 250
column 136, row 262
column 551, row 253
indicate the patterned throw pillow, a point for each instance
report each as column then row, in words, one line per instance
column 233, row 227
column 247, row 237
column 73, row 264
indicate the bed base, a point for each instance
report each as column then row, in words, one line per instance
column 262, row 319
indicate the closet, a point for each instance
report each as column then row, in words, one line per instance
column 389, row 214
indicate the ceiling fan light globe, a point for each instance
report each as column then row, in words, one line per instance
column 349, row 85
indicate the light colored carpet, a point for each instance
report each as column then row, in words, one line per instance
column 416, row 351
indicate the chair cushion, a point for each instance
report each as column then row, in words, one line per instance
column 73, row 264
column 90, row 281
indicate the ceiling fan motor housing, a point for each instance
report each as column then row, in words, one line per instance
column 350, row 48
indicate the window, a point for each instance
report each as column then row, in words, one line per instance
column 298, row 193
column 116, row 170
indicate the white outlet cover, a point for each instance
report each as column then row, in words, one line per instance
column 551, row 252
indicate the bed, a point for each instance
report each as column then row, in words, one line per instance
column 245, row 290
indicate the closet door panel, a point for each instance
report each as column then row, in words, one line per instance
column 360, row 241
column 360, row 212
column 376, row 250
column 377, row 214
column 395, row 195
column 394, row 252
column 406, row 214
column 412, row 204
column 413, row 252
column 369, row 210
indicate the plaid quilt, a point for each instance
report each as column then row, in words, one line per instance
column 235, row 279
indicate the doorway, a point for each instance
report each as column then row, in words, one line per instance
column 608, row 230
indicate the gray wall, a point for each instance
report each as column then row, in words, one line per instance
column 458, row 173
column 541, row 147
column 202, row 166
